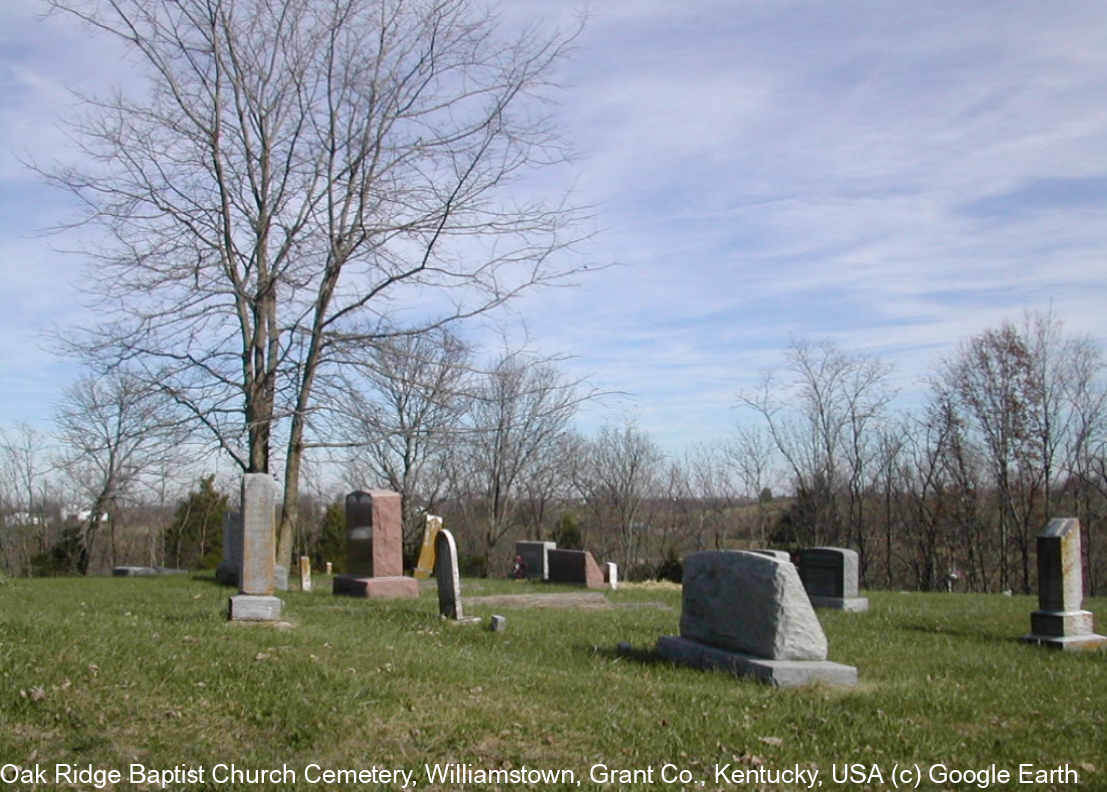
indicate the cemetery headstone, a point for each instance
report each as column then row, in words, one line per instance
column 748, row 613
column 227, row 571
column 425, row 565
column 611, row 575
column 1060, row 622
column 374, row 547
column 145, row 571
column 447, row 575
column 330, row 567
column 574, row 566
column 305, row 573
column 829, row 575
column 256, row 602
column 780, row 555
column 535, row 558
column 498, row 623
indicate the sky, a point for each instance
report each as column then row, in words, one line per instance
column 892, row 177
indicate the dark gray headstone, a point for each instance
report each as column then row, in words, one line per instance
column 359, row 534
column 829, row 571
column 534, row 555
column 577, row 567
column 227, row 571
column 447, row 575
column 829, row 575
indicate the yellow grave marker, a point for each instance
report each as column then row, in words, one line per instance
column 425, row 565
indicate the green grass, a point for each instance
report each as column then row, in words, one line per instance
column 108, row 672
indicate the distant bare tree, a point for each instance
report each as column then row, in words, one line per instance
column 112, row 431
column 1085, row 453
column 401, row 406
column 295, row 175
column 23, row 497
column 866, row 397
column 887, row 483
column 622, row 473
column 519, row 410
column 994, row 382
column 549, row 480
column 819, row 419
column 751, row 453
column 715, row 492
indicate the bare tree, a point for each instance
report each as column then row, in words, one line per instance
column 549, row 481
column 23, row 497
column 887, row 481
column 821, row 415
column 865, row 397
column 621, row 475
column 519, row 411
column 751, row 454
column 297, row 174
column 993, row 380
column 400, row 405
column 714, row 491
column 1085, row 446
column 112, row 431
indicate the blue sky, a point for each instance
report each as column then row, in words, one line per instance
column 894, row 177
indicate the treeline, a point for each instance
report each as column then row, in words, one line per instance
column 1011, row 434
column 951, row 493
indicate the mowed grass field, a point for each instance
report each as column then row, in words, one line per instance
column 102, row 676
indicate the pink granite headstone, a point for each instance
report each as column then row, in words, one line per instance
column 374, row 548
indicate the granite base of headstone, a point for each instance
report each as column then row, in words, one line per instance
column 1060, row 621
column 749, row 614
column 535, row 557
column 254, row 607
column 576, row 567
column 830, row 576
column 393, row 587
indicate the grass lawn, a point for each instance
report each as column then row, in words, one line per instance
column 101, row 674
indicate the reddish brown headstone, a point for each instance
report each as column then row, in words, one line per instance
column 374, row 548
column 374, row 534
